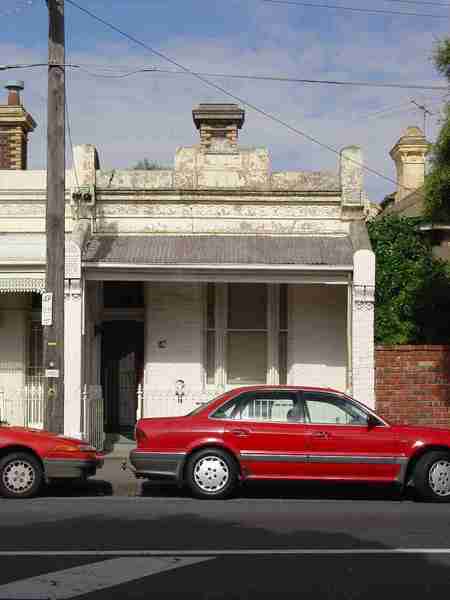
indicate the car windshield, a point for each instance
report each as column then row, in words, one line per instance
column 204, row 405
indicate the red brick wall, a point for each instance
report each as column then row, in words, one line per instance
column 412, row 384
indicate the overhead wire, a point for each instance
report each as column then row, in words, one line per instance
column 69, row 130
column 354, row 9
column 226, row 92
column 281, row 79
column 420, row 3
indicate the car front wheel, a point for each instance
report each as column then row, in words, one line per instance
column 432, row 476
column 211, row 473
column 21, row 475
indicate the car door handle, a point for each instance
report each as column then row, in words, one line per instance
column 321, row 434
column 240, row 432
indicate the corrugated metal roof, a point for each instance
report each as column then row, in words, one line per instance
column 222, row 250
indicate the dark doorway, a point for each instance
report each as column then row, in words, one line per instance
column 122, row 369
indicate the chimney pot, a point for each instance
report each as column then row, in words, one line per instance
column 218, row 125
column 14, row 88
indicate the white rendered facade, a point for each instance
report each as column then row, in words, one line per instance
column 185, row 319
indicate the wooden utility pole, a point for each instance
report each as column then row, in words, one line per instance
column 53, row 300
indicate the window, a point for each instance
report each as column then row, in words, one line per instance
column 245, row 334
column 330, row 409
column 123, row 294
column 283, row 335
column 210, row 333
column 276, row 406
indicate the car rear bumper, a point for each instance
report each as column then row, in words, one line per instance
column 73, row 468
column 157, row 464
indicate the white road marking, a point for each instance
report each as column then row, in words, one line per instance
column 213, row 553
column 85, row 579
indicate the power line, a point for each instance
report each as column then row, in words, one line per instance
column 445, row 4
column 354, row 9
column 226, row 92
column 405, row 86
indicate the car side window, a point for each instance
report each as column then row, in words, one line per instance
column 332, row 409
column 274, row 406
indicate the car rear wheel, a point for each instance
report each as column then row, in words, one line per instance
column 432, row 477
column 211, row 473
column 21, row 475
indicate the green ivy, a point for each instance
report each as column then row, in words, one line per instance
column 412, row 287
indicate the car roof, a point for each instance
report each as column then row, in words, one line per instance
column 296, row 388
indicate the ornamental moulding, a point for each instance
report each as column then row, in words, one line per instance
column 223, row 226
column 17, row 285
column 29, row 209
column 235, row 211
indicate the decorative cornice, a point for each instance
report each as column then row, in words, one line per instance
column 15, row 285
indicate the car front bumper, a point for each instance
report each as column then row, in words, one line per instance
column 72, row 468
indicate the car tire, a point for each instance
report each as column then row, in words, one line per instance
column 21, row 475
column 432, row 477
column 212, row 473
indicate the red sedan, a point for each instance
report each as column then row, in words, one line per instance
column 290, row 433
column 30, row 457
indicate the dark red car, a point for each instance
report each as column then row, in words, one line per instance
column 30, row 457
column 296, row 433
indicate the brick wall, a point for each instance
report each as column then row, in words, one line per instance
column 412, row 384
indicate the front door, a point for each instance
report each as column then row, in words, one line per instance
column 267, row 429
column 122, row 362
column 343, row 446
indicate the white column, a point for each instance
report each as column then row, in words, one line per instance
column 73, row 355
column 363, row 327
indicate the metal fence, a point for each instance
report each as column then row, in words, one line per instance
column 93, row 416
column 24, row 406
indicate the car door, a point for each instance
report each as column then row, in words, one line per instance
column 267, row 431
column 342, row 444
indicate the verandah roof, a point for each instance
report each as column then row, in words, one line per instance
column 220, row 250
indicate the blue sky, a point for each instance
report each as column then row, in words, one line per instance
column 150, row 114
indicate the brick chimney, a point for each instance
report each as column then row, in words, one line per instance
column 409, row 156
column 218, row 125
column 15, row 125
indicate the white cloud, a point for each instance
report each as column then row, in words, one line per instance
column 149, row 115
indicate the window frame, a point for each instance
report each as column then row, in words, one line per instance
column 345, row 398
column 292, row 392
column 272, row 333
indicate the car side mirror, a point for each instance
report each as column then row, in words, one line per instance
column 372, row 422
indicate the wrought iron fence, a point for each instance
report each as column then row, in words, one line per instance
column 93, row 416
column 167, row 403
column 24, row 406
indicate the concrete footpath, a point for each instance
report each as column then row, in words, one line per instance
column 110, row 480
column 115, row 480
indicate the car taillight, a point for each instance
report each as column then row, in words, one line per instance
column 140, row 436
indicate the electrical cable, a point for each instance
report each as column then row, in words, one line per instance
column 226, row 92
column 354, row 9
column 406, row 86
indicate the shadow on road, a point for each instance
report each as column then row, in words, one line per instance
column 353, row 576
column 68, row 489
column 289, row 490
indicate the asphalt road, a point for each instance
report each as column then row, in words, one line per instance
column 271, row 542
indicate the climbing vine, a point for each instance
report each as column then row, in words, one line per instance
column 412, row 287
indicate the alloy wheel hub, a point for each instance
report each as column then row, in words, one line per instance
column 18, row 476
column 211, row 474
column 439, row 478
